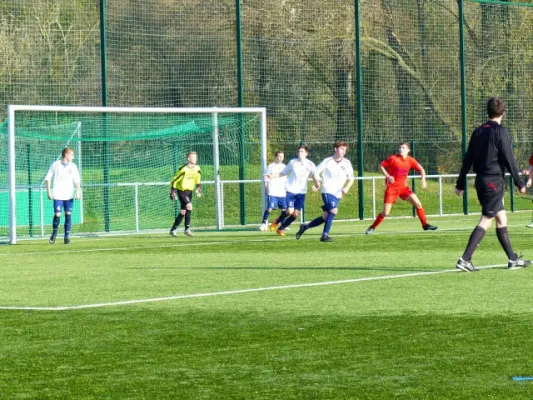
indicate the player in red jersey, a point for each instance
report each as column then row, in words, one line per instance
column 396, row 168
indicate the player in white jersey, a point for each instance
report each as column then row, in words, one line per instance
column 297, row 172
column 275, row 190
column 336, row 171
column 63, row 176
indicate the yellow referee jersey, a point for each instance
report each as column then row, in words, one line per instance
column 186, row 178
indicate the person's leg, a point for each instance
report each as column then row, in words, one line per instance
column 58, row 207
column 188, row 212
column 380, row 218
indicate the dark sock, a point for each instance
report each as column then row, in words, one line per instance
column 68, row 224
column 282, row 217
column 316, row 222
column 177, row 221
column 266, row 214
column 505, row 241
column 329, row 222
column 187, row 219
column 475, row 239
column 289, row 220
column 55, row 223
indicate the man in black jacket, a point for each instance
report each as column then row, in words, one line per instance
column 489, row 152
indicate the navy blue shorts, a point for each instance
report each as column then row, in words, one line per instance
column 295, row 201
column 330, row 202
column 60, row 205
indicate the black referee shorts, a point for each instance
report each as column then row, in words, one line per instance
column 490, row 191
column 184, row 196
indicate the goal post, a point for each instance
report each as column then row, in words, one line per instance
column 129, row 157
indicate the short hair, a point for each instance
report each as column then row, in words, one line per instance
column 406, row 144
column 495, row 107
column 191, row 152
column 303, row 146
column 340, row 143
column 65, row 151
column 280, row 152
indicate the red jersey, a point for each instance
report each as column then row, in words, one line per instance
column 531, row 160
column 398, row 167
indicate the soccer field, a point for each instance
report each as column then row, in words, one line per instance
column 250, row 315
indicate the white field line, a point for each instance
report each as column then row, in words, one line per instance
column 232, row 292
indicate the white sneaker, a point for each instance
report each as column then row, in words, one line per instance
column 188, row 233
column 530, row 225
column 263, row 227
column 173, row 232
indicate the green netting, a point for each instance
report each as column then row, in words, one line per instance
column 298, row 61
column 126, row 163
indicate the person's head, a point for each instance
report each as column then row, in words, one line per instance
column 404, row 148
column 302, row 152
column 192, row 157
column 341, row 148
column 495, row 107
column 280, row 155
column 67, row 154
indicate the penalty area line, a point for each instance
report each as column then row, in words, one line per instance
column 233, row 292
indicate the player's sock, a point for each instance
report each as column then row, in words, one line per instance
column 505, row 241
column 378, row 221
column 187, row 219
column 475, row 239
column 177, row 221
column 289, row 220
column 421, row 216
column 55, row 223
column 329, row 222
column 282, row 217
column 68, row 224
column 316, row 222
column 266, row 214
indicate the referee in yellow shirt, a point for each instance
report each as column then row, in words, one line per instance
column 186, row 179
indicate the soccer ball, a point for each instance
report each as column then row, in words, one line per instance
column 263, row 227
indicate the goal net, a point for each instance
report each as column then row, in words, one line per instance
column 127, row 157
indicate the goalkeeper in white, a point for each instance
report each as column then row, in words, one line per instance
column 61, row 179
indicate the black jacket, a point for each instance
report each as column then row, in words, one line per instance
column 489, row 152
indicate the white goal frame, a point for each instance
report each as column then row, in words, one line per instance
column 213, row 111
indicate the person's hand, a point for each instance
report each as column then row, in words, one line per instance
column 528, row 184
column 78, row 195
column 173, row 194
column 50, row 196
column 523, row 190
column 344, row 191
column 390, row 179
column 315, row 188
column 198, row 192
column 424, row 184
column 459, row 192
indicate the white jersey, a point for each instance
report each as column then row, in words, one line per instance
column 298, row 174
column 276, row 186
column 63, row 177
column 334, row 175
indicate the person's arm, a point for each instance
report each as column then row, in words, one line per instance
column 528, row 184
column 422, row 171
column 316, row 175
column 465, row 167
column 351, row 179
column 198, row 182
column 383, row 167
column 509, row 160
column 48, row 180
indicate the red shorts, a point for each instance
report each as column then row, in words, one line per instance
column 392, row 193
